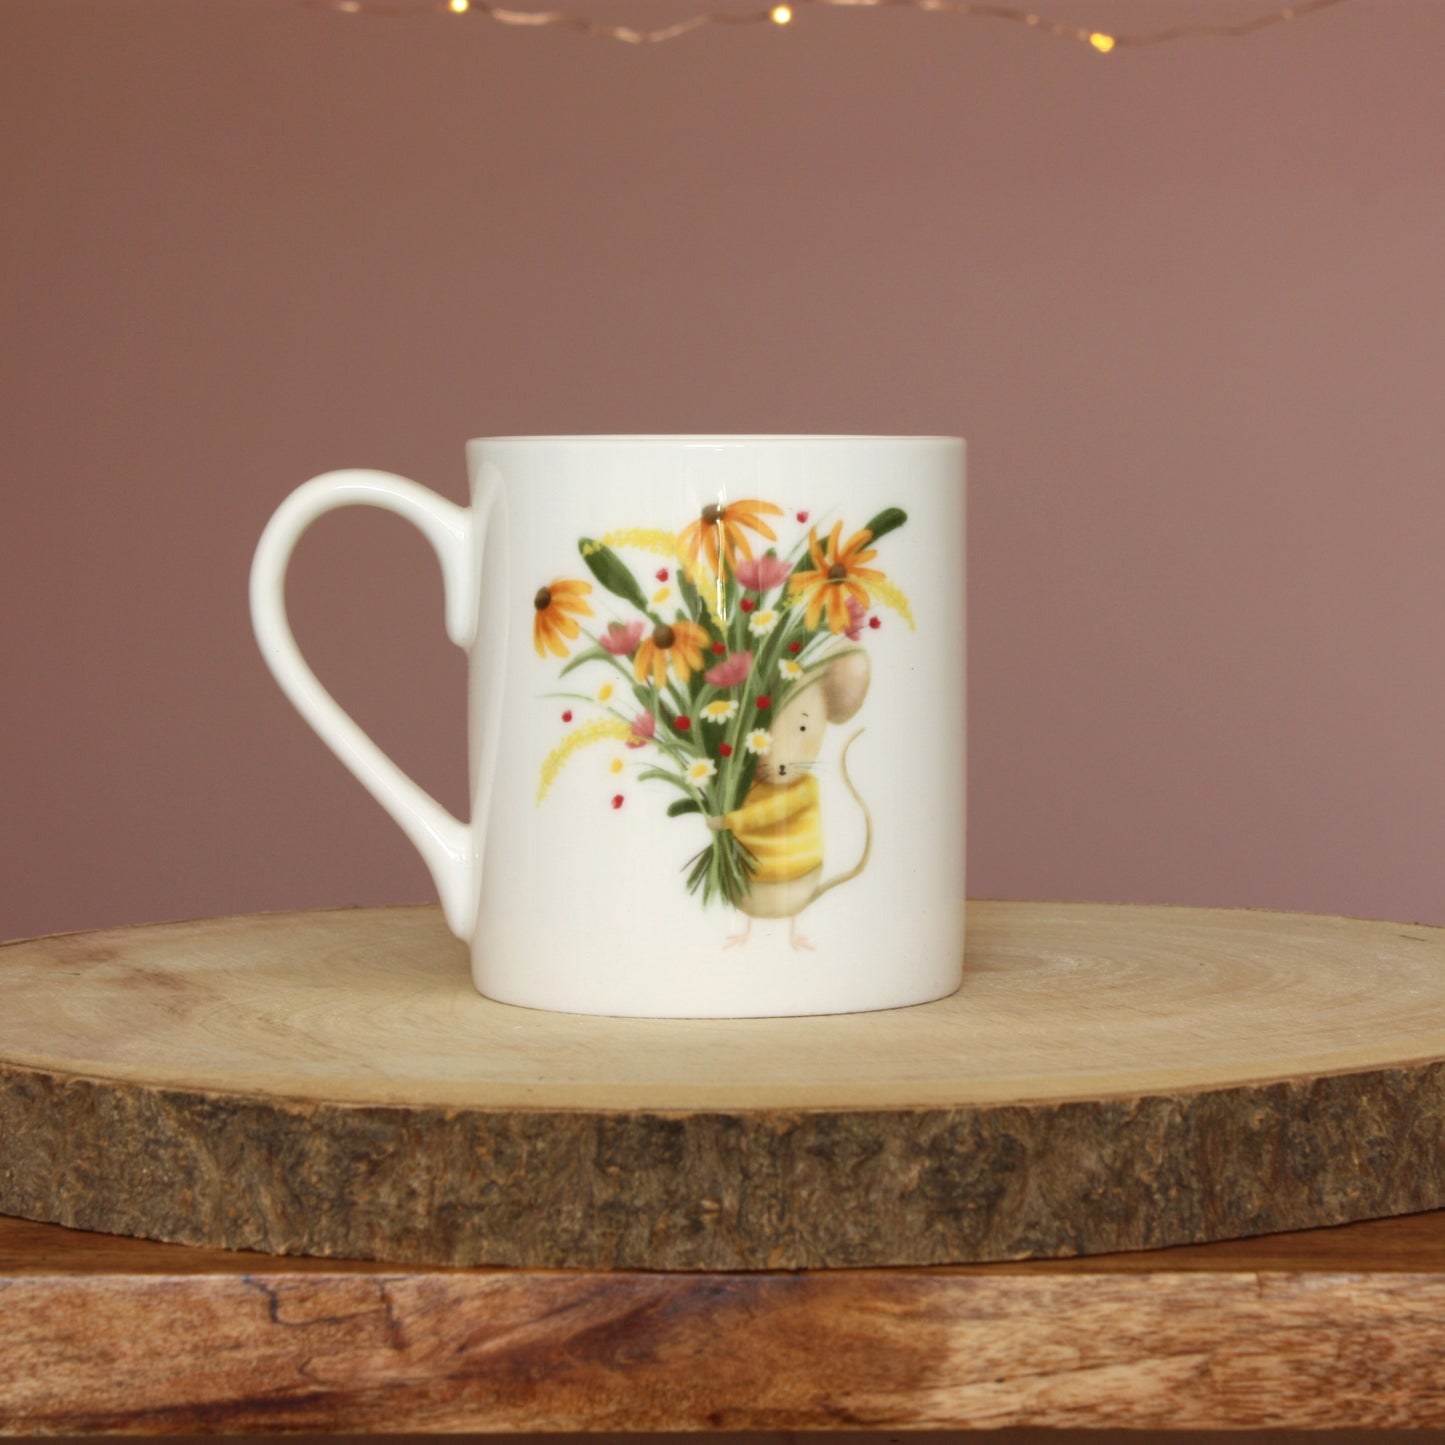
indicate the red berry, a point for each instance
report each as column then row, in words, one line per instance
column 765, row 701
column 617, row 800
column 682, row 723
column 662, row 574
column 747, row 604
column 567, row 716
column 795, row 646
column 875, row 623
column 725, row 749
column 719, row 648
column 802, row 516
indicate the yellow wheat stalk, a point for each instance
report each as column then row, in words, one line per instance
column 644, row 539
column 593, row 732
column 893, row 597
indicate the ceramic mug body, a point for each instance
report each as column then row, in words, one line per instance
column 716, row 718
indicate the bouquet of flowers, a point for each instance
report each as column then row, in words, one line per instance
column 702, row 655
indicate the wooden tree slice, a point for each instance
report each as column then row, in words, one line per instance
column 1109, row 1077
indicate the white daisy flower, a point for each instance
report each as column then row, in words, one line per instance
column 759, row 741
column 763, row 622
column 699, row 772
column 720, row 711
column 789, row 668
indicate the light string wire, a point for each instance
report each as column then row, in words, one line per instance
column 782, row 14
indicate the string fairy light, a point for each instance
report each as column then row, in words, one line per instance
column 1101, row 41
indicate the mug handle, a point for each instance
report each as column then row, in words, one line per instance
column 446, row 844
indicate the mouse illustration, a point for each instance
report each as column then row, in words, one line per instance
column 780, row 821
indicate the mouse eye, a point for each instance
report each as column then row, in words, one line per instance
column 802, row 727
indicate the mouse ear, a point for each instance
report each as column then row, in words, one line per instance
column 845, row 684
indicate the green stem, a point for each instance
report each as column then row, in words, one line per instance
column 570, row 696
column 662, row 775
column 613, row 658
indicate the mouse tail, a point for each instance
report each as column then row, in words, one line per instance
column 867, row 823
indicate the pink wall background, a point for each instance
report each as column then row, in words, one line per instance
column 1187, row 305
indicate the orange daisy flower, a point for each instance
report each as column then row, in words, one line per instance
column 837, row 575
column 718, row 533
column 555, row 619
column 678, row 643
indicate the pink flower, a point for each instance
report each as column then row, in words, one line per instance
column 856, row 614
column 644, row 726
column 621, row 639
column 762, row 574
column 732, row 671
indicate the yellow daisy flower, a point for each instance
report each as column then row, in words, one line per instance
column 837, row 575
column 678, row 643
column 555, row 619
column 718, row 533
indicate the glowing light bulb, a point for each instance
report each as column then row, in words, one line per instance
column 1102, row 43
column 459, row 7
column 781, row 14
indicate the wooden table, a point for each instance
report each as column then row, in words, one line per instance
column 1324, row 1328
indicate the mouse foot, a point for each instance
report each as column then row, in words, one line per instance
column 800, row 943
column 736, row 940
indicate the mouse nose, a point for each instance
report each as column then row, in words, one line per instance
column 782, row 770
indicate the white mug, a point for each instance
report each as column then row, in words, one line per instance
column 716, row 717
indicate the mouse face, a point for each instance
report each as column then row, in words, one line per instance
column 797, row 733
column 832, row 692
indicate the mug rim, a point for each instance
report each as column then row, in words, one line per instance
column 708, row 438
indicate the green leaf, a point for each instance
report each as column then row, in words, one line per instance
column 612, row 572
column 698, row 865
column 683, row 805
column 888, row 520
column 690, row 597
column 586, row 656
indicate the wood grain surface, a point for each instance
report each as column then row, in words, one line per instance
column 1109, row 1077
column 1330, row 1328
